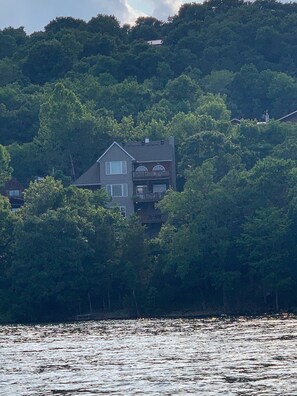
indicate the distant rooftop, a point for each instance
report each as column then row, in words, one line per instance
column 155, row 42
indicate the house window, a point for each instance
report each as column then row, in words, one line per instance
column 117, row 190
column 141, row 168
column 158, row 168
column 14, row 193
column 159, row 189
column 116, row 167
column 141, row 191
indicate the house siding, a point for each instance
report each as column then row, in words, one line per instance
column 116, row 153
column 144, row 188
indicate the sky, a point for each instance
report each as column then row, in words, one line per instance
column 35, row 14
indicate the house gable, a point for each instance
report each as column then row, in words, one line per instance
column 112, row 147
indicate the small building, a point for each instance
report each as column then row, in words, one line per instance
column 155, row 42
column 136, row 175
column 13, row 190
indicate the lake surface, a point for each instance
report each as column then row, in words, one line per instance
column 227, row 356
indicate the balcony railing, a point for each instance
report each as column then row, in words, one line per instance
column 151, row 175
column 148, row 196
column 152, row 217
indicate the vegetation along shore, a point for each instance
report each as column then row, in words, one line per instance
column 218, row 79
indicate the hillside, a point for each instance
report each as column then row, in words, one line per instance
column 229, row 243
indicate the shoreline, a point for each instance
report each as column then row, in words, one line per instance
column 123, row 315
column 180, row 315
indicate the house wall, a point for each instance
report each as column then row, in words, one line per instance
column 117, row 154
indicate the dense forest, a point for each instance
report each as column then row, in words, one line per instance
column 230, row 240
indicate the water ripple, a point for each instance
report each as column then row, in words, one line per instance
column 227, row 356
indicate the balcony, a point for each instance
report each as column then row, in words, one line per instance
column 148, row 196
column 152, row 217
column 151, row 175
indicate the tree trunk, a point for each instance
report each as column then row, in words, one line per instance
column 72, row 167
column 90, row 303
column 108, row 300
column 225, row 302
column 135, row 302
column 276, row 300
column 264, row 293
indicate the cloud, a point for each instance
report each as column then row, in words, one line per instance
column 165, row 8
column 120, row 8
column 35, row 14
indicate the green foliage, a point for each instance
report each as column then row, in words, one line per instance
column 66, row 131
column 46, row 61
column 5, row 169
column 68, row 92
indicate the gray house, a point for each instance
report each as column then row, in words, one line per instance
column 136, row 175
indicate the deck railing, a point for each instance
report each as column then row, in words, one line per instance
column 148, row 196
column 152, row 217
column 151, row 175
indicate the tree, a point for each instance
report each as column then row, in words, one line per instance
column 265, row 250
column 9, row 71
column 61, row 23
column 7, row 224
column 247, row 92
column 198, row 239
column 8, row 45
column 66, row 130
column 206, row 145
column 104, row 24
column 218, row 81
column 214, row 106
column 182, row 92
column 46, row 61
column 135, row 263
column 62, row 240
column 146, row 28
column 5, row 169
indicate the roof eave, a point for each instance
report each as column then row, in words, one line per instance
column 113, row 144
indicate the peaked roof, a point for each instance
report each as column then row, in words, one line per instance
column 151, row 151
column 90, row 178
column 118, row 145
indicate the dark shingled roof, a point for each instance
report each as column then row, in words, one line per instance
column 90, row 177
column 152, row 151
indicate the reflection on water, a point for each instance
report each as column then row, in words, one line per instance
column 226, row 356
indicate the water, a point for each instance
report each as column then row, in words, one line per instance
column 243, row 356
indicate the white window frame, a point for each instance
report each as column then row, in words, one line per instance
column 124, row 189
column 14, row 193
column 162, row 190
column 109, row 171
column 159, row 168
column 141, row 168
